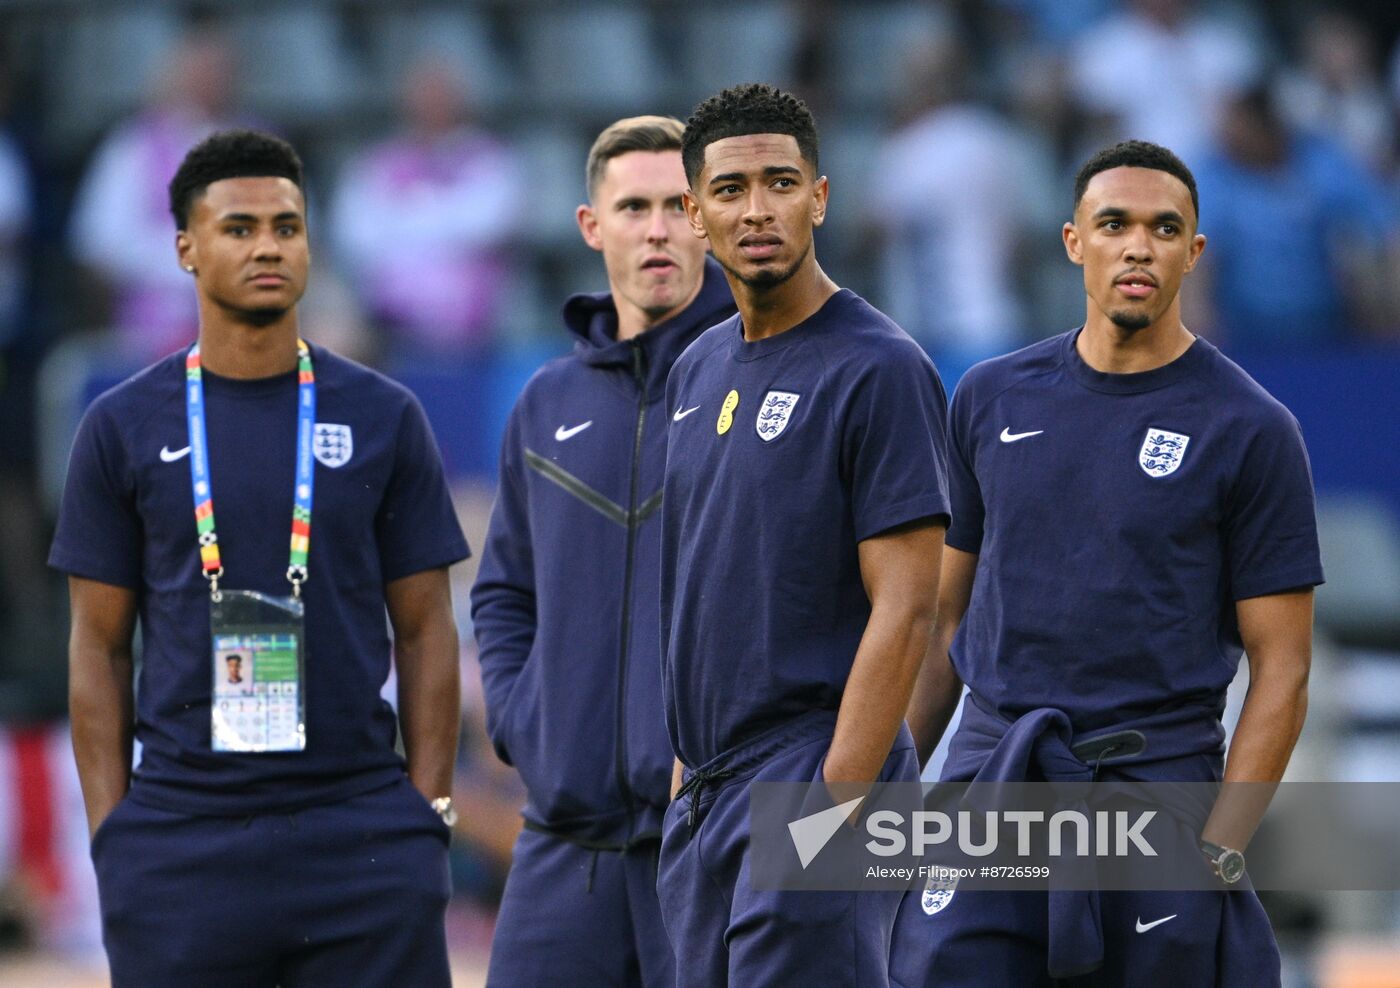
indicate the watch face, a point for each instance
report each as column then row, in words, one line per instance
column 1231, row 867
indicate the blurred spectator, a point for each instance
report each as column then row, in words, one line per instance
column 1056, row 21
column 16, row 196
column 121, row 228
column 23, row 580
column 333, row 317
column 44, row 864
column 1049, row 118
column 1301, row 237
column 1159, row 71
column 957, row 188
column 1337, row 89
column 422, row 221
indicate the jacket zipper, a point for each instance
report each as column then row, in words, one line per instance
column 639, row 374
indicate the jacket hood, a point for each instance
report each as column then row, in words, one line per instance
column 592, row 319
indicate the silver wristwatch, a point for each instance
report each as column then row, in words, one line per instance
column 444, row 808
column 1226, row 862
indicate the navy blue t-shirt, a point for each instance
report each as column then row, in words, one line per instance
column 838, row 435
column 381, row 512
column 1117, row 519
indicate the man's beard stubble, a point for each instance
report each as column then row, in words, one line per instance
column 766, row 280
column 258, row 318
column 1131, row 321
column 262, row 317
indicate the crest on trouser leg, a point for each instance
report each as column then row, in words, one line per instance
column 938, row 893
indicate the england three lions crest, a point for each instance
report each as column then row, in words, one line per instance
column 938, row 894
column 1162, row 452
column 333, row 445
column 774, row 413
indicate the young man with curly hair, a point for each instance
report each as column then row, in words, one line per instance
column 805, row 505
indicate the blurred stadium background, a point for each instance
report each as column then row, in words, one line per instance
column 445, row 147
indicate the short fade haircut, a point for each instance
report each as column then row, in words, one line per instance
column 648, row 133
column 753, row 108
column 1137, row 154
column 230, row 154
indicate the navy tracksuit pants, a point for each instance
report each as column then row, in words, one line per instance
column 573, row 916
column 986, row 938
column 1186, row 938
column 727, row 933
column 350, row 893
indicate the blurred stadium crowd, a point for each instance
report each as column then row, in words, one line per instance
column 445, row 148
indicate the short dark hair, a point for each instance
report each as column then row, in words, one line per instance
column 753, row 108
column 230, row 154
column 1136, row 154
column 235, row 657
column 648, row 133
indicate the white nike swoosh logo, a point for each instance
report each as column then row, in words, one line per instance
column 682, row 414
column 562, row 433
column 170, row 456
column 1007, row 436
column 1144, row 927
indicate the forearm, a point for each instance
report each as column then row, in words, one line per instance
column 936, row 694
column 677, row 777
column 1276, row 630
column 430, row 706
column 1268, row 729
column 101, row 705
column 938, row 688
column 877, row 693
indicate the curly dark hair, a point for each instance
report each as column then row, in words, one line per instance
column 230, row 154
column 753, row 108
column 1136, row 154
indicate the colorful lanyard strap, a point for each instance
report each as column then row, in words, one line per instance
column 203, row 487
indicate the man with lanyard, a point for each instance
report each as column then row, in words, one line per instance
column 276, row 839
column 1130, row 511
column 806, row 500
column 566, row 605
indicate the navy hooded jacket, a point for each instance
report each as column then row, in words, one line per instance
column 566, row 604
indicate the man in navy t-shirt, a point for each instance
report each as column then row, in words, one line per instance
column 566, row 605
column 1130, row 512
column 805, row 505
column 318, row 859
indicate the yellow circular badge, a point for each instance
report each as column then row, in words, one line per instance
column 726, row 412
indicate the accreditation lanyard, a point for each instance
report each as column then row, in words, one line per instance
column 196, row 414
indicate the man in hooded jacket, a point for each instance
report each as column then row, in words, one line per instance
column 566, row 606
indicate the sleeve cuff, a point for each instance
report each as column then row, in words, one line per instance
column 1271, row 583
column 890, row 516
column 88, row 570
column 453, row 553
column 963, row 540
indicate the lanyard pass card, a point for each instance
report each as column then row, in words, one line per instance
column 258, row 701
